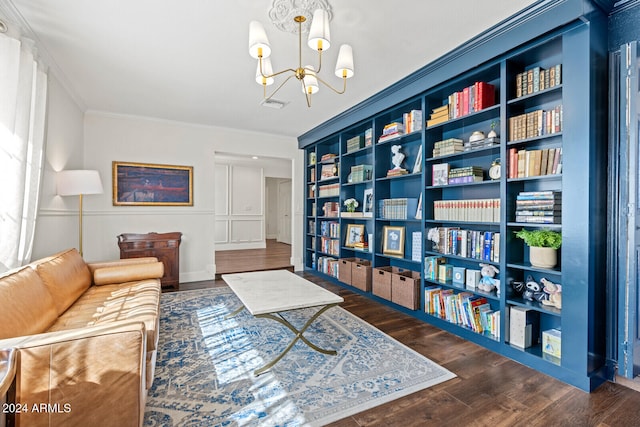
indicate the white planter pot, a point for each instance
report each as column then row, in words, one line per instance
column 543, row 257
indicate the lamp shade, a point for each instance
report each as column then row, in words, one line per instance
column 309, row 82
column 267, row 70
column 344, row 66
column 319, row 34
column 258, row 41
column 75, row 182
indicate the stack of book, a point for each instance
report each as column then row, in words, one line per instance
column 331, row 209
column 397, row 172
column 328, row 158
column 329, row 171
column 438, row 115
column 448, row 146
column 536, row 79
column 525, row 163
column 540, row 207
column 467, row 210
column 535, row 123
column 391, row 131
column 466, row 175
column 354, row 144
column 412, row 121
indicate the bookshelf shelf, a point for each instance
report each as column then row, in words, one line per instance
column 579, row 138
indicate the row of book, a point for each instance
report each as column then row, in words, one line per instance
column 464, row 308
column 355, row 143
column 325, row 264
column 474, row 244
column 525, row 163
column 330, row 246
column 360, row 173
column 442, row 174
column 536, row 79
column 312, row 174
column 412, row 121
column 467, row 210
column 540, row 207
column 401, row 208
column 476, row 97
column 329, row 190
column 330, row 229
column 535, row 123
column 448, row 146
column 312, row 226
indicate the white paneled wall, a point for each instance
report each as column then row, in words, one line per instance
column 240, row 217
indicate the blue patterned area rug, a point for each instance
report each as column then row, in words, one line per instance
column 204, row 372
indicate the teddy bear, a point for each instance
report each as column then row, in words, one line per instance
column 533, row 291
column 488, row 282
column 554, row 291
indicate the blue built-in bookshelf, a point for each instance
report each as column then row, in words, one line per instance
column 551, row 138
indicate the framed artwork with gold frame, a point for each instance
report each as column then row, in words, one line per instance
column 146, row 184
column 355, row 235
column 393, row 240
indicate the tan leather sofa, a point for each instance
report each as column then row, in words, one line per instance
column 85, row 336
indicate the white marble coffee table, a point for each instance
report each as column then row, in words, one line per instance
column 269, row 293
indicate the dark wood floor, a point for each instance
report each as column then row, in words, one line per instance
column 276, row 255
column 490, row 390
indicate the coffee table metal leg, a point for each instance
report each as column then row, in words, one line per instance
column 235, row 312
column 299, row 336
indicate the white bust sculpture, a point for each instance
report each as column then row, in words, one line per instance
column 397, row 157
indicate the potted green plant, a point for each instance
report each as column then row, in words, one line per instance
column 543, row 246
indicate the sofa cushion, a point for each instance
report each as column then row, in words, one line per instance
column 30, row 310
column 66, row 276
column 109, row 303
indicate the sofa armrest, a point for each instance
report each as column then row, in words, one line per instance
column 128, row 273
column 88, row 376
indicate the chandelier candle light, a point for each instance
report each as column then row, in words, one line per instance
column 319, row 40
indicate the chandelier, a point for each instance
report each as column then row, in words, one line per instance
column 319, row 40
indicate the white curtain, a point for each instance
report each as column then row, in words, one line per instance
column 23, row 94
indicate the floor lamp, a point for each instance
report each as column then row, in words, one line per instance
column 79, row 183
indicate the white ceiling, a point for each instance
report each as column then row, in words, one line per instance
column 188, row 61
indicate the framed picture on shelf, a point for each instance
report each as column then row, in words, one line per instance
column 355, row 235
column 367, row 207
column 144, row 184
column 393, row 240
column 440, row 174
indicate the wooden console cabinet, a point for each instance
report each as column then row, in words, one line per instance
column 164, row 246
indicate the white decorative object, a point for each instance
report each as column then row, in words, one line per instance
column 398, row 157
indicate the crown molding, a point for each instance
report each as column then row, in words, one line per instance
column 539, row 18
column 19, row 27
